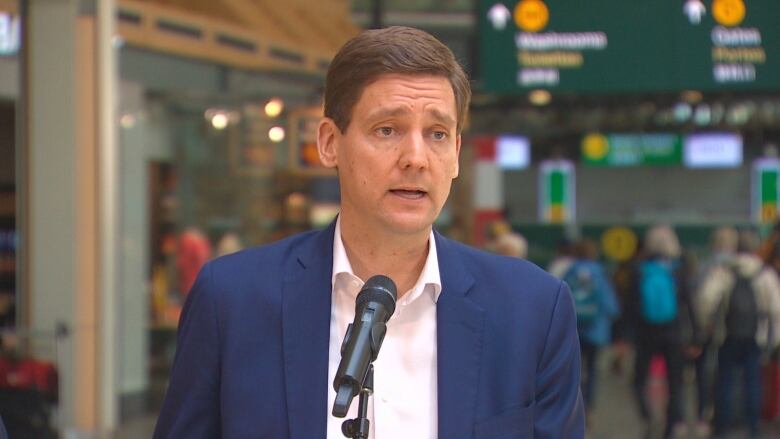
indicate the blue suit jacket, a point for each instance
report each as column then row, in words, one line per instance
column 252, row 353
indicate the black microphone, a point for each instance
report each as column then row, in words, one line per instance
column 373, row 307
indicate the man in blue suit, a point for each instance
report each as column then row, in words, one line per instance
column 480, row 346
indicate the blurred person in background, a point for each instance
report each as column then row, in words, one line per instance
column 596, row 307
column 723, row 252
column 623, row 327
column 657, row 309
column 512, row 244
column 739, row 304
column 229, row 243
column 564, row 257
column 193, row 249
column 769, row 251
column 723, row 248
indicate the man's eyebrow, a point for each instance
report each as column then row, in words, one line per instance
column 386, row 112
column 443, row 118
column 389, row 112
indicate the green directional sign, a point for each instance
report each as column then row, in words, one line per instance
column 604, row 46
column 556, row 191
column 655, row 149
column 765, row 200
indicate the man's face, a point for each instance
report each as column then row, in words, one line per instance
column 398, row 156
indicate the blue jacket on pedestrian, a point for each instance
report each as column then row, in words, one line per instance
column 594, row 300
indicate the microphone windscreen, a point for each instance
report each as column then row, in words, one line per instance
column 381, row 289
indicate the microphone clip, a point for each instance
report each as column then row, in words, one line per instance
column 358, row 428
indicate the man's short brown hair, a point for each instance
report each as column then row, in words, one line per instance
column 399, row 50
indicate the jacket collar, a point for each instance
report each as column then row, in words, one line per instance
column 306, row 302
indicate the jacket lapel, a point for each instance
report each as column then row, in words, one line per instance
column 460, row 324
column 306, row 299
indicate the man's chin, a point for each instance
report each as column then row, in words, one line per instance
column 409, row 226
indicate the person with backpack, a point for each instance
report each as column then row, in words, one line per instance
column 723, row 253
column 659, row 310
column 769, row 252
column 739, row 304
column 596, row 306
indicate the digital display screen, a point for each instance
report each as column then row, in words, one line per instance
column 9, row 34
column 712, row 150
column 513, row 152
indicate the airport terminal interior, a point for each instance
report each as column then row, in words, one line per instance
column 141, row 138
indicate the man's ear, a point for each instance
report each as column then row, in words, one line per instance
column 456, row 168
column 327, row 138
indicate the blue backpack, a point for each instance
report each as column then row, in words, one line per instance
column 584, row 291
column 658, row 292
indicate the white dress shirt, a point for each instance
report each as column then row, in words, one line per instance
column 404, row 403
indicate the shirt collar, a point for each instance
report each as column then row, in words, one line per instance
column 342, row 269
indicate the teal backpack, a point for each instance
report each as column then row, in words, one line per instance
column 658, row 292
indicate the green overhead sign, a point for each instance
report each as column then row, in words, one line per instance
column 632, row 150
column 601, row 46
column 557, row 183
column 765, row 181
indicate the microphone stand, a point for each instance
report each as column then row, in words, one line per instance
column 358, row 428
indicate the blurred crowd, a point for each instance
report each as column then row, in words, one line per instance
column 676, row 314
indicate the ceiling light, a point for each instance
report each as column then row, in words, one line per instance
column 702, row 115
column 276, row 134
column 682, row 112
column 691, row 96
column 219, row 121
column 274, row 107
column 539, row 97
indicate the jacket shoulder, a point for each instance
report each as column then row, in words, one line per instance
column 262, row 257
column 257, row 269
column 515, row 276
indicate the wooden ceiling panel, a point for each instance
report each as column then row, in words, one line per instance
column 291, row 34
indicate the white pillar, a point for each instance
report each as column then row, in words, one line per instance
column 70, row 219
column 107, row 84
column 51, row 189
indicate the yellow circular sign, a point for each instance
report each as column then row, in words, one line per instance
column 595, row 146
column 728, row 12
column 531, row 15
column 619, row 243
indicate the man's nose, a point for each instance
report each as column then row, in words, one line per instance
column 414, row 154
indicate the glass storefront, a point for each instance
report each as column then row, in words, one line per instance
column 205, row 171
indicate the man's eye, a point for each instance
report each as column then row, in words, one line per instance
column 439, row 135
column 384, row 131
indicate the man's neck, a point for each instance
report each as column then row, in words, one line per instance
column 400, row 257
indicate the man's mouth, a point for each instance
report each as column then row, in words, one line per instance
column 409, row 194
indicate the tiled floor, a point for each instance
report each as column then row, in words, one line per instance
column 140, row 428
